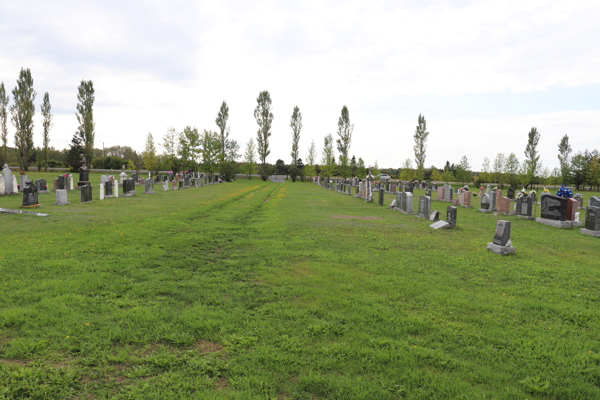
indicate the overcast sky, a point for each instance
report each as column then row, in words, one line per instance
column 481, row 72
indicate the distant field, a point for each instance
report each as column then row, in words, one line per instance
column 259, row 290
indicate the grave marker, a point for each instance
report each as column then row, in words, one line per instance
column 62, row 197
column 86, row 194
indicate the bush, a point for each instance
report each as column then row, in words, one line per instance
column 293, row 172
column 264, row 171
column 228, row 171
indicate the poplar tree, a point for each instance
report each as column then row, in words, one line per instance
column 47, row 113
column 420, row 146
column 3, row 118
column 250, row 158
column 532, row 156
column 264, row 119
column 345, row 129
column 22, row 112
column 564, row 157
column 85, row 116
column 221, row 121
column 296, row 125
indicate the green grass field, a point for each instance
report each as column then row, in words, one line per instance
column 258, row 290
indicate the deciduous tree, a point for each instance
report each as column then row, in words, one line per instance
column 264, row 119
column 531, row 154
column 327, row 157
column 149, row 155
column 3, row 121
column 221, row 121
column 250, row 158
column 296, row 125
column 345, row 129
column 47, row 124
column 420, row 146
column 22, row 112
column 85, row 117
column 564, row 157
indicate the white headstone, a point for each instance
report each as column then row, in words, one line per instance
column 7, row 180
column 116, row 188
column 70, row 181
column 102, row 191
column 2, row 188
column 15, row 188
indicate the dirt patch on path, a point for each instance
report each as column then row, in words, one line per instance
column 354, row 217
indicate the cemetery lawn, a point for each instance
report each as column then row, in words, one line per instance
column 259, row 290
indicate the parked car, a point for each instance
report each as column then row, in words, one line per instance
column 384, row 177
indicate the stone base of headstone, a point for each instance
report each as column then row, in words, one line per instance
column 440, row 225
column 33, row 206
column 404, row 212
column 554, row 223
column 502, row 250
column 577, row 224
column 483, row 210
column 128, row 194
column 109, row 196
column 530, row 218
column 43, row 191
column 589, row 232
column 150, row 192
column 468, row 206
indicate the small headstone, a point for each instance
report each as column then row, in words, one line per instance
column 440, row 225
column 503, row 203
column 592, row 218
column 408, row 202
column 40, row 184
column 23, row 182
column 108, row 188
column 434, row 216
column 2, row 186
column 148, row 189
column 102, row 187
column 15, row 187
column 594, row 201
column 393, row 205
column 572, row 206
column 485, row 202
column 381, row 194
column 86, row 194
column 503, row 230
column 62, row 197
column 115, row 188
column 451, row 216
column 440, row 193
column 511, row 193
column 70, row 182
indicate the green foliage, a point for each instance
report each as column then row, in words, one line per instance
column 264, row 119
column 250, row 158
column 327, row 157
column 296, row 125
column 22, row 113
column 564, row 157
column 85, row 117
column 149, row 155
column 447, row 176
column 224, row 130
column 463, row 171
column 294, row 172
column 420, row 146
column 46, row 109
column 73, row 155
column 171, row 146
column 210, row 145
column 190, row 145
column 228, row 170
column 345, row 129
column 3, row 122
column 532, row 156
column 361, row 171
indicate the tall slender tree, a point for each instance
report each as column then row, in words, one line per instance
column 85, row 117
column 564, row 157
column 221, row 121
column 420, row 146
column 532, row 156
column 149, row 154
column 264, row 118
column 3, row 118
column 296, row 125
column 250, row 158
column 22, row 112
column 345, row 129
column 47, row 113
column 327, row 157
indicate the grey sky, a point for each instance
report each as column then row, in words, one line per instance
column 482, row 72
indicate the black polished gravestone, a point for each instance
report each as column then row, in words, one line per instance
column 525, row 206
column 61, row 182
column 409, row 187
column 554, row 207
column 592, row 219
column 511, row 193
column 84, row 177
column 108, row 188
column 594, row 201
column 30, row 195
column 40, row 184
column 503, row 229
column 86, row 194
column 451, row 216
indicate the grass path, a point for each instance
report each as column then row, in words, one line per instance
column 260, row 290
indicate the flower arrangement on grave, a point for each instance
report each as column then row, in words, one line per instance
column 564, row 191
column 546, row 190
column 522, row 193
column 577, row 196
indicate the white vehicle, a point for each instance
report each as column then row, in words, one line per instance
column 384, row 177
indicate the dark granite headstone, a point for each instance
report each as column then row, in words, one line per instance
column 424, row 205
column 502, row 235
column 554, row 207
column 108, row 188
column 61, row 182
column 594, row 201
column 84, row 177
column 525, row 206
column 511, row 193
column 40, row 184
column 30, row 195
column 451, row 216
column 409, row 187
column 592, row 219
column 381, row 194
column 86, row 194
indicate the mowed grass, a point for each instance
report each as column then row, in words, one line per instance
column 254, row 290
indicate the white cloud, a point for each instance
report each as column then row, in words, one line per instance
column 157, row 64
